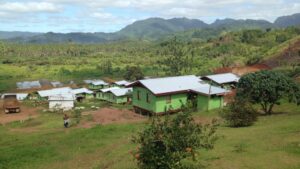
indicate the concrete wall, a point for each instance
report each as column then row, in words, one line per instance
column 65, row 105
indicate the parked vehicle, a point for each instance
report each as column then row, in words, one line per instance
column 11, row 104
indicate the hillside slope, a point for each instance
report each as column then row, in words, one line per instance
column 156, row 29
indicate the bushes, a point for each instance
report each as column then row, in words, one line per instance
column 172, row 143
column 239, row 114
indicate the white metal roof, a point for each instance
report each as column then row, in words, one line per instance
column 99, row 82
column 171, row 84
column 109, row 89
column 95, row 82
column 64, row 97
column 56, row 91
column 82, row 90
column 28, row 84
column 122, row 82
column 224, row 78
column 210, row 90
column 56, row 84
column 20, row 96
column 121, row 92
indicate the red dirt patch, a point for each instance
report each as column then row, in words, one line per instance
column 26, row 112
column 242, row 70
column 289, row 56
column 112, row 115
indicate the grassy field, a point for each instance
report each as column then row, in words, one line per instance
column 272, row 143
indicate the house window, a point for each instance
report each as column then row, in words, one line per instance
column 168, row 99
column 148, row 98
column 138, row 95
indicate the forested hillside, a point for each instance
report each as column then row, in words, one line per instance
column 154, row 29
column 173, row 56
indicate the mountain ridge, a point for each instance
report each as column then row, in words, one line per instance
column 150, row 29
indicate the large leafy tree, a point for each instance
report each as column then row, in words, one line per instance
column 133, row 73
column 173, row 143
column 267, row 88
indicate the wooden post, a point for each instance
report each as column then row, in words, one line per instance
column 209, row 91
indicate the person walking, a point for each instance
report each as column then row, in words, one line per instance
column 66, row 121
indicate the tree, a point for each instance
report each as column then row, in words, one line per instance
column 239, row 114
column 267, row 88
column 133, row 73
column 177, row 57
column 168, row 143
column 106, row 67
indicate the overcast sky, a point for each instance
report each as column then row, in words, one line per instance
column 112, row 15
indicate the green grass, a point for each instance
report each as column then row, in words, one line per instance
column 272, row 142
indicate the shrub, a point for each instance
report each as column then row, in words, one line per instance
column 239, row 114
column 171, row 143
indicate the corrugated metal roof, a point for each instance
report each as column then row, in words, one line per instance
column 82, row 90
column 99, row 82
column 224, row 78
column 95, row 82
column 20, row 96
column 109, row 89
column 210, row 90
column 64, row 97
column 53, row 92
column 122, row 83
column 171, row 84
column 28, row 84
column 56, row 84
column 121, row 92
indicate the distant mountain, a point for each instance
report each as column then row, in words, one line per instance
column 241, row 24
column 154, row 29
column 51, row 37
column 14, row 34
column 285, row 21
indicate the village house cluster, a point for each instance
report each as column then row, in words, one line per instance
column 151, row 95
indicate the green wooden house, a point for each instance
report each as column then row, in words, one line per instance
column 115, row 95
column 171, row 94
column 102, row 93
column 96, row 84
column 119, row 96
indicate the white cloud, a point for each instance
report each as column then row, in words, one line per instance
column 111, row 15
column 23, row 7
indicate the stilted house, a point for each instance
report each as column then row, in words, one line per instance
column 96, row 84
column 102, row 93
column 122, row 83
column 224, row 80
column 119, row 96
column 171, row 94
column 63, row 102
column 83, row 93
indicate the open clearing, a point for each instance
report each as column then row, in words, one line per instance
column 107, row 115
column 26, row 112
column 272, row 143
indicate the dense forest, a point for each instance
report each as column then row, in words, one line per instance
column 180, row 54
